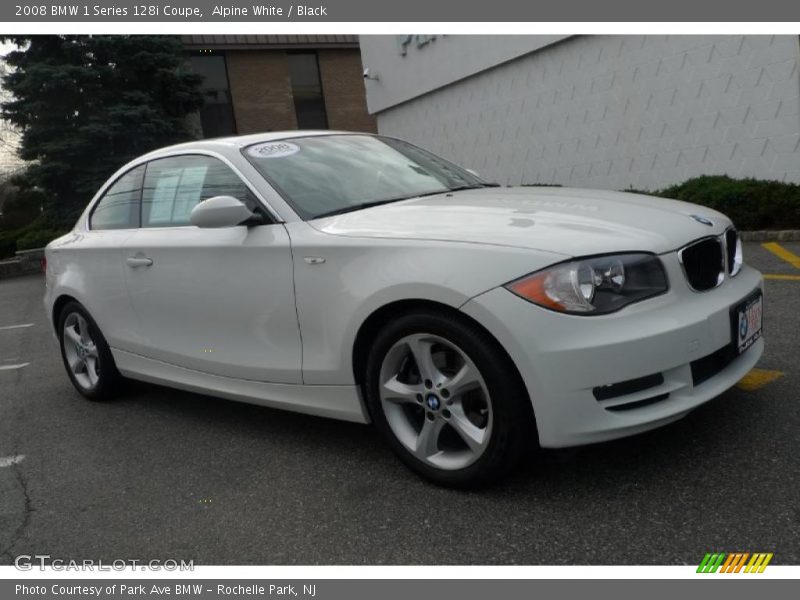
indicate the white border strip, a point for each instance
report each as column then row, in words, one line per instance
column 404, row 572
column 308, row 573
column 258, row 27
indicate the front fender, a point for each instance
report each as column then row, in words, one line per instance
column 359, row 276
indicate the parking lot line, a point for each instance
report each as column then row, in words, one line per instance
column 782, row 277
column 13, row 367
column 783, row 253
column 24, row 325
column 758, row 378
column 7, row 461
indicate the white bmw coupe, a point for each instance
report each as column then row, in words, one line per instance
column 362, row 278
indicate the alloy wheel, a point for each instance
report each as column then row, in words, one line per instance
column 436, row 401
column 81, row 351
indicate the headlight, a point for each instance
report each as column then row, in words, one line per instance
column 594, row 286
column 734, row 245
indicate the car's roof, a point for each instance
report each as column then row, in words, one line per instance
column 240, row 141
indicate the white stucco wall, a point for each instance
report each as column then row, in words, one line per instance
column 612, row 111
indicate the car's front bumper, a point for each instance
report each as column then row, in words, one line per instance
column 563, row 358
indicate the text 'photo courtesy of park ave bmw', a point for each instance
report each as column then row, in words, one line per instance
column 517, row 263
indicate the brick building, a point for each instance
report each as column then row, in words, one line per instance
column 279, row 82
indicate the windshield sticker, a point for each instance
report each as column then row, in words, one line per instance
column 273, row 150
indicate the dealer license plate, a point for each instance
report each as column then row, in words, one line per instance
column 746, row 321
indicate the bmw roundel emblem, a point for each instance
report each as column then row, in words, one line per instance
column 432, row 401
column 702, row 220
column 743, row 328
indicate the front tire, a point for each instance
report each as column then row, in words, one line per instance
column 86, row 355
column 445, row 397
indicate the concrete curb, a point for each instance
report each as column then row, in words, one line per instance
column 26, row 262
column 14, row 267
column 33, row 256
column 783, row 235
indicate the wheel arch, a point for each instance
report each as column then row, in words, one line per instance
column 378, row 318
column 58, row 306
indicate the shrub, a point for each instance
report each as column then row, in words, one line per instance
column 34, row 235
column 38, row 238
column 750, row 203
column 18, row 208
column 7, row 245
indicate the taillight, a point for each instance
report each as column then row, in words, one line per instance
column 44, row 264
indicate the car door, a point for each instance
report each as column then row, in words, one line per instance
column 93, row 260
column 221, row 300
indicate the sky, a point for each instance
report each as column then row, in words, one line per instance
column 7, row 160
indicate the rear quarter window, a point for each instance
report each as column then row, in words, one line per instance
column 119, row 206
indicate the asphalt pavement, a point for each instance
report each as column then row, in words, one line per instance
column 163, row 474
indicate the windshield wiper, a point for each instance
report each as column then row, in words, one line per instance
column 473, row 186
column 371, row 203
column 352, row 207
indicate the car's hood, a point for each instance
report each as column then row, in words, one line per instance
column 573, row 222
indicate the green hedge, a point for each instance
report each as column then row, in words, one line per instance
column 7, row 245
column 38, row 239
column 750, row 203
column 34, row 235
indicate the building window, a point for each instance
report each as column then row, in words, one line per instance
column 309, row 104
column 216, row 115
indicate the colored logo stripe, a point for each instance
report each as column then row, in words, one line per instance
column 734, row 562
column 711, row 563
column 759, row 561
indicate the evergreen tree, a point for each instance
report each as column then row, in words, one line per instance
column 87, row 104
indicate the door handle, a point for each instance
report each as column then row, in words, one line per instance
column 137, row 261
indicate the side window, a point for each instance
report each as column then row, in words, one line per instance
column 119, row 206
column 174, row 186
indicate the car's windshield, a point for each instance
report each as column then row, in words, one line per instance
column 323, row 175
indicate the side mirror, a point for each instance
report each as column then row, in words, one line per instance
column 220, row 211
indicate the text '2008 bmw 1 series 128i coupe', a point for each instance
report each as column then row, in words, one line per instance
column 362, row 278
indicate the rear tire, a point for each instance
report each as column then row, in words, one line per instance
column 461, row 419
column 86, row 355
